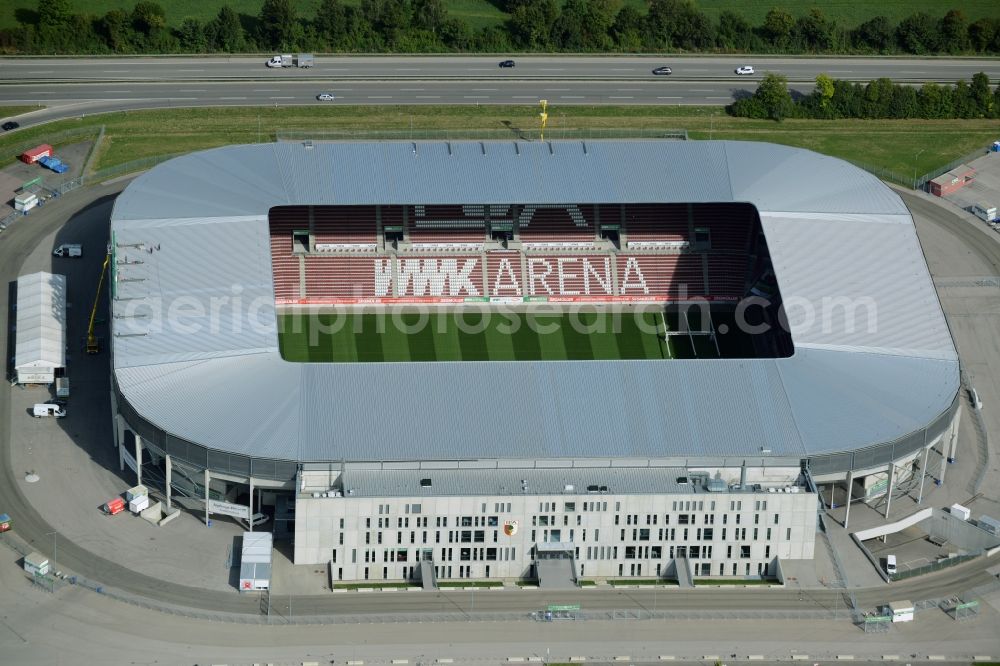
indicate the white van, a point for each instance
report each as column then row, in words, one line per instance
column 976, row 402
column 68, row 250
column 48, row 409
column 890, row 565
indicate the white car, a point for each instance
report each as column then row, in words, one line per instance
column 324, row 97
column 745, row 69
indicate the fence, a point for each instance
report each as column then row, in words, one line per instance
column 919, row 183
column 458, row 134
column 934, row 566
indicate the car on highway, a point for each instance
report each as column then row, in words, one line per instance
column 10, row 125
column 325, row 97
column 506, row 63
column 662, row 71
column 745, row 69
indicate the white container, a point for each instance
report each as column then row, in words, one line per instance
column 960, row 511
column 25, row 202
column 36, row 564
column 138, row 503
column 136, row 491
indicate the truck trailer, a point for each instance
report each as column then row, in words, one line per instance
column 287, row 60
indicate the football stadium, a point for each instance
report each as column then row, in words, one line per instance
column 526, row 360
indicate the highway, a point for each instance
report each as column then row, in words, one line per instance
column 72, row 87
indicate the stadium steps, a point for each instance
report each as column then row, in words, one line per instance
column 427, row 578
column 684, row 573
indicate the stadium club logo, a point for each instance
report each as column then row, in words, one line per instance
column 545, row 276
column 510, row 527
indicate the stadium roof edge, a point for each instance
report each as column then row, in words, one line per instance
column 872, row 371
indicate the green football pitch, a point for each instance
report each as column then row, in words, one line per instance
column 479, row 336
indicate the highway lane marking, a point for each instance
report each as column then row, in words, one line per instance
column 39, row 71
column 116, row 71
column 628, row 90
column 619, row 69
column 232, row 98
column 281, row 98
column 190, row 70
column 379, row 96
column 485, row 89
column 696, row 70
column 524, row 97
column 729, row 97
column 912, row 72
column 669, row 98
column 570, row 96
column 620, row 97
column 407, row 69
column 192, row 90
column 267, row 90
column 476, row 97
column 428, row 96
column 557, row 90
column 841, row 71
column 412, row 89
column 118, row 91
column 552, row 69
column 698, row 90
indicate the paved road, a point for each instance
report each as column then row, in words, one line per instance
column 94, row 207
column 469, row 68
column 93, row 85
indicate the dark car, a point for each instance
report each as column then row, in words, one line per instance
column 506, row 63
column 8, row 126
column 661, row 71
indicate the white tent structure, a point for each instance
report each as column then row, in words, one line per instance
column 41, row 327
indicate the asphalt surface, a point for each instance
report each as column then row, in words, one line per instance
column 88, row 211
column 92, row 85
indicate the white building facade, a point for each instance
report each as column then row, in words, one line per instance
column 732, row 530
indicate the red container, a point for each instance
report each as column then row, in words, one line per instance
column 31, row 156
column 117, row 505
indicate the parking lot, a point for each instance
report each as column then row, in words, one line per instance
column 13, row 177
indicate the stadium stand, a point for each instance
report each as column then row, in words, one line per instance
column 285, row 265
column 650, row 225
column 660, row 275
column 557, row 226
column 444, row 252
column 447, row 227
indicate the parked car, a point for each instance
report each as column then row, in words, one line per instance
column 10, row 125
column 745, row 69
column 325, row 97
column 48, row 409
column 661, row 71
column 506, row 63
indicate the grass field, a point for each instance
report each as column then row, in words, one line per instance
column 902, row 146
column 479, row 13
column 478, row 336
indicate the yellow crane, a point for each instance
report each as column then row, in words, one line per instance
column 93, row 346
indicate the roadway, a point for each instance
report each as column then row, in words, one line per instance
column 71, row 87
column 88, row 212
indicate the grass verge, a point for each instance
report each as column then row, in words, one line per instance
column 641, row 581
column 372, row 585
column 11, row 111
column 906, row 147
column 709, row 582
column 481, row 583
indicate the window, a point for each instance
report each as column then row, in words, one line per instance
column 465, row 555
column 629, row 552
column 466, row 521
column 479, row 536
column 682, row 519
column 707, row 534
column 300, row 243
column 644, row 535
column 491, row 554
column 569, row 506
column 415, row 508
column 788, row 534
column 466, row 536
column 656, row 552
column 744, row 552
column 775, row 519
column 492, row 521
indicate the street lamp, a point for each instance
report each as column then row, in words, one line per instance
column 55, row 550
column 915, row 166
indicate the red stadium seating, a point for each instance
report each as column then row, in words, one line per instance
column 437, row 262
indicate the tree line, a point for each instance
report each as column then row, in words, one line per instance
column 424, row 26
column 877, row 99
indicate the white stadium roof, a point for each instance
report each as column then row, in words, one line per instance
column 834, row 232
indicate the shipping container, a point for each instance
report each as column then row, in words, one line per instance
column 36, row 564
column 960, row 511
column 138, row 503
column 117, row 505
column 31, row 156
column 136, row 491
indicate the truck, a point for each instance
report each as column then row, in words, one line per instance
column 298, row 60
column 53, row 163
column 68, row 250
